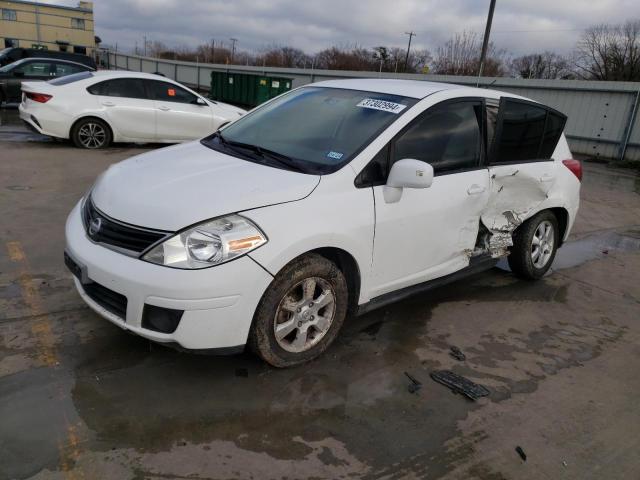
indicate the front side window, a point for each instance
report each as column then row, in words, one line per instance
column 320, row 128
column 10, row 15
column 120, row 87
column 447, row 136
column 169, row 92
column 77, row 23
column 34, row 69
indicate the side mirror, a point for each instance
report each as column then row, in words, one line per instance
column 200, row 102
column 407, row 173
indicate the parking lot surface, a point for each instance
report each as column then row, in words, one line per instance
column 82, row 399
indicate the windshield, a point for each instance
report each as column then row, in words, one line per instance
column 316, row 128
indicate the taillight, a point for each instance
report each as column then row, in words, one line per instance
column 38, row 97
column 575, row 166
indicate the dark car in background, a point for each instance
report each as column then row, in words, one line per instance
column 13, row 74
column 13, row 54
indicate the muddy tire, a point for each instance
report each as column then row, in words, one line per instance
column 535, row 244
column 301, row 312
column 91, row 133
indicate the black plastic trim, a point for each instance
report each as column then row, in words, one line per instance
column 476, row 265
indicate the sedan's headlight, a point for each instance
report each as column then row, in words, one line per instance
column 207, row 244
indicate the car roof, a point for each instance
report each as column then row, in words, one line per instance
column 410, row 88
column 53, row 59
column 405, row 88
column 105, row 74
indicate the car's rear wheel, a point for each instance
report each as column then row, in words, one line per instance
column 91, row 133
column 301, row 312
column 535, row 244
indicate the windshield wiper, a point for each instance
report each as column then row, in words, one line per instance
column 264, row 153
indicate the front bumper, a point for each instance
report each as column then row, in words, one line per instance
column 218, row 302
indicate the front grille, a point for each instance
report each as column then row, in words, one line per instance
column 107, row 299
column 102, row 229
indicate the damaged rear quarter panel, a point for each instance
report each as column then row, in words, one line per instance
column 516, row 193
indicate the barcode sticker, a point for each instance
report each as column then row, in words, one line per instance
column 381, row 105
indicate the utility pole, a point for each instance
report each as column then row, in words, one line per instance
column 213, row 50
column 406, row 59
column 145, row 45
column 233, row 47
column 485, row 40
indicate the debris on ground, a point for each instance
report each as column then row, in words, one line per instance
column 415, row 385
column 460, row 384
column 520, row 452
column 456, row 353
column 242, row 372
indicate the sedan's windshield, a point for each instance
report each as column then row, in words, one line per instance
column 317, row 129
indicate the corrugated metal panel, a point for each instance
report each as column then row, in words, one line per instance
column 598, row 112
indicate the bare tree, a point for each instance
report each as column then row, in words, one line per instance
column 283, row 56
column 610, row 52
column 460, row 55
column 547, row 65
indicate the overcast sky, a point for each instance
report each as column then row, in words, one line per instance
column 521, row 26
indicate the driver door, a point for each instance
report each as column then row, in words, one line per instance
column 431, row 232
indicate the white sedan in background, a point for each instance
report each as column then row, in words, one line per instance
column 96, row 108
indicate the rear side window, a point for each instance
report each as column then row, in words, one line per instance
column 61, row 69
column 168, row 92
column 447, row 136
column 34, row 69
column 75, row 77
column 120, row 87
column 526, row 131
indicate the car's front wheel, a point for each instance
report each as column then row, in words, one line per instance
column 535, row 244
column 301, row 312
column 91, row 133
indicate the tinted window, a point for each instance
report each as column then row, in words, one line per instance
column 552, row 132
column 168, row 92
column 120, row 87
column 34, row 69
column 522, row 130
column 447, row 137
column 526, row 132
column 71, row 78
column 62, row 69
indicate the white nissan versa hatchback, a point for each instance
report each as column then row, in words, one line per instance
column 334, row 198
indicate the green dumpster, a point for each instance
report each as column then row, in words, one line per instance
column 246, row 89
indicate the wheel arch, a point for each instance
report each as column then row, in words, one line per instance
column 562, row 215
column 85, row 117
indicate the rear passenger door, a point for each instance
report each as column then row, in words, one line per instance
column 521, row 166
column 431, row 232
column 179, row 117
column 127, row 107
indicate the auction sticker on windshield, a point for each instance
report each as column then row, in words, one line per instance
column 381, row 105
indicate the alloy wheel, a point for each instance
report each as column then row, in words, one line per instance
column 92, row 135
column 542, row 244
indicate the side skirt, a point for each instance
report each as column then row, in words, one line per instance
column 476, row 265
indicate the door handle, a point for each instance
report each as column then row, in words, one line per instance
column 475, row 189
column 164, row 109
column 108, row 104
column 547, row 177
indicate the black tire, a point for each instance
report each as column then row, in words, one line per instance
column 262, row 337
column 84, row 127
column 521, row 259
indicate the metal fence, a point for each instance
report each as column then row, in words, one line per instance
column 602, row 115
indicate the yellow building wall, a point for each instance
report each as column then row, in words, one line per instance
column 54, row 24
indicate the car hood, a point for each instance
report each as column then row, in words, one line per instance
column 174, row 187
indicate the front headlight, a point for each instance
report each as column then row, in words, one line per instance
column 207, row 244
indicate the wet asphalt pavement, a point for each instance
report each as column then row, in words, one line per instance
column 82, row 399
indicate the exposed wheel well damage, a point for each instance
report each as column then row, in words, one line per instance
column 349, row 268
column 562, row 215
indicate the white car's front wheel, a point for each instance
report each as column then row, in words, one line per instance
column 301, row 312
